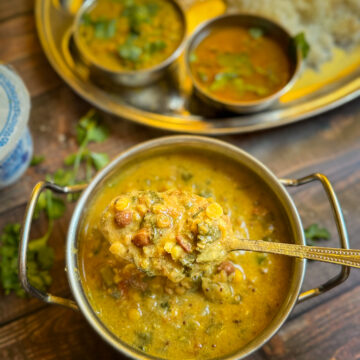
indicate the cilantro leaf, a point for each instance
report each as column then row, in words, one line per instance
column 45, row 256
column 99, row 160
column 302, row 44
column 40, row 254
column 36, row 160
column 104, row 29
column 256, row 32
column 193, row 57
column 314, row 233
column 87, row 121
column 88, row 129
column 155, row 46
column 40, row 261
column 130, row 52
column 86, row 19
column 55, row 207
column 98, row 133
column 221, row 80
column 70, row 159
column 61, row 177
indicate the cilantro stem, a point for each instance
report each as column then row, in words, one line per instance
column 42, row 241
column 77, row 161
column 88, row 168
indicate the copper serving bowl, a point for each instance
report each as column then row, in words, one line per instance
column 163, row 146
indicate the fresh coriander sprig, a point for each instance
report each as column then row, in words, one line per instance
column 40, row 254
column 302, row 44
column 88, row 130
column 314, row 233
column 40, row 260
column 36, row 160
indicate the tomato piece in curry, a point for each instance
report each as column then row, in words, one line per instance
column 175, row 319
column 239, row 64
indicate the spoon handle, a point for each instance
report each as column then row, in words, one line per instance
column 331, row 255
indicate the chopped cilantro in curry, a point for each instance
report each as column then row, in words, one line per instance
column 208, row 304
column 131, row 34
column 240, row 64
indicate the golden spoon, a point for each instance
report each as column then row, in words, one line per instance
column 201, row 230
column 331, row 255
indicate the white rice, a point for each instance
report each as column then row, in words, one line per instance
column 326, row 23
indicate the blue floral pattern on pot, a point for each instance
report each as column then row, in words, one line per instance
column 14, row 110
column 15, row 164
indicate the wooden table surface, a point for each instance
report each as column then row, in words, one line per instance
column 327, row 327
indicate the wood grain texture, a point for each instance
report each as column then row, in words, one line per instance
column 56, row 333
column 325, row 328
column 12, row 307
column 18, row 38
column 52, row 333
column 13, row 8
column 329, row 331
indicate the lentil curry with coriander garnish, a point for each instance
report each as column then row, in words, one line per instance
column 181, row 315
column 236, row 64
column 175, row 234
column 123, row 35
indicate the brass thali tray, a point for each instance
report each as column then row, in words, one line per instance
column 171, row 104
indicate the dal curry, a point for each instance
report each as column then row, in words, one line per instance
column 174, row 319
column 127, row 35
column 237, row 64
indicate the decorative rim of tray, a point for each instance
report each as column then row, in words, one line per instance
column 54, row 26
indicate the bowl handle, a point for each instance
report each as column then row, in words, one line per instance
column 24, row 240
column 341, row 228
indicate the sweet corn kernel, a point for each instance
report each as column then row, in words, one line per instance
column 238, row 277
column 136, row 216
column 149, row 251
column 163, row 221
column 214, row 211
column 128, row 269
column 144, row 263
column 158, row 208
column 174, row 212
column 186, row 283
column 223, row 276
column 169, row 291
column 168, row 246
column 174, row 312
column 117, row 279
column 134, row 314
column 180, row 290
column 155, row 286
column 203, row 228
column 176, row 252
column 169, row 185
column 142, row 209
column 223, row 228
column 122, row 203
column 194, row 226
column 117, row 249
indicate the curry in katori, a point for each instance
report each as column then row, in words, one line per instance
column 171, row 305
column 127, row 35
column 236, row 64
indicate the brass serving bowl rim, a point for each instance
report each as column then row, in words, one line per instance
column 162, row 145
column 255, row 104
column 145, row 71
